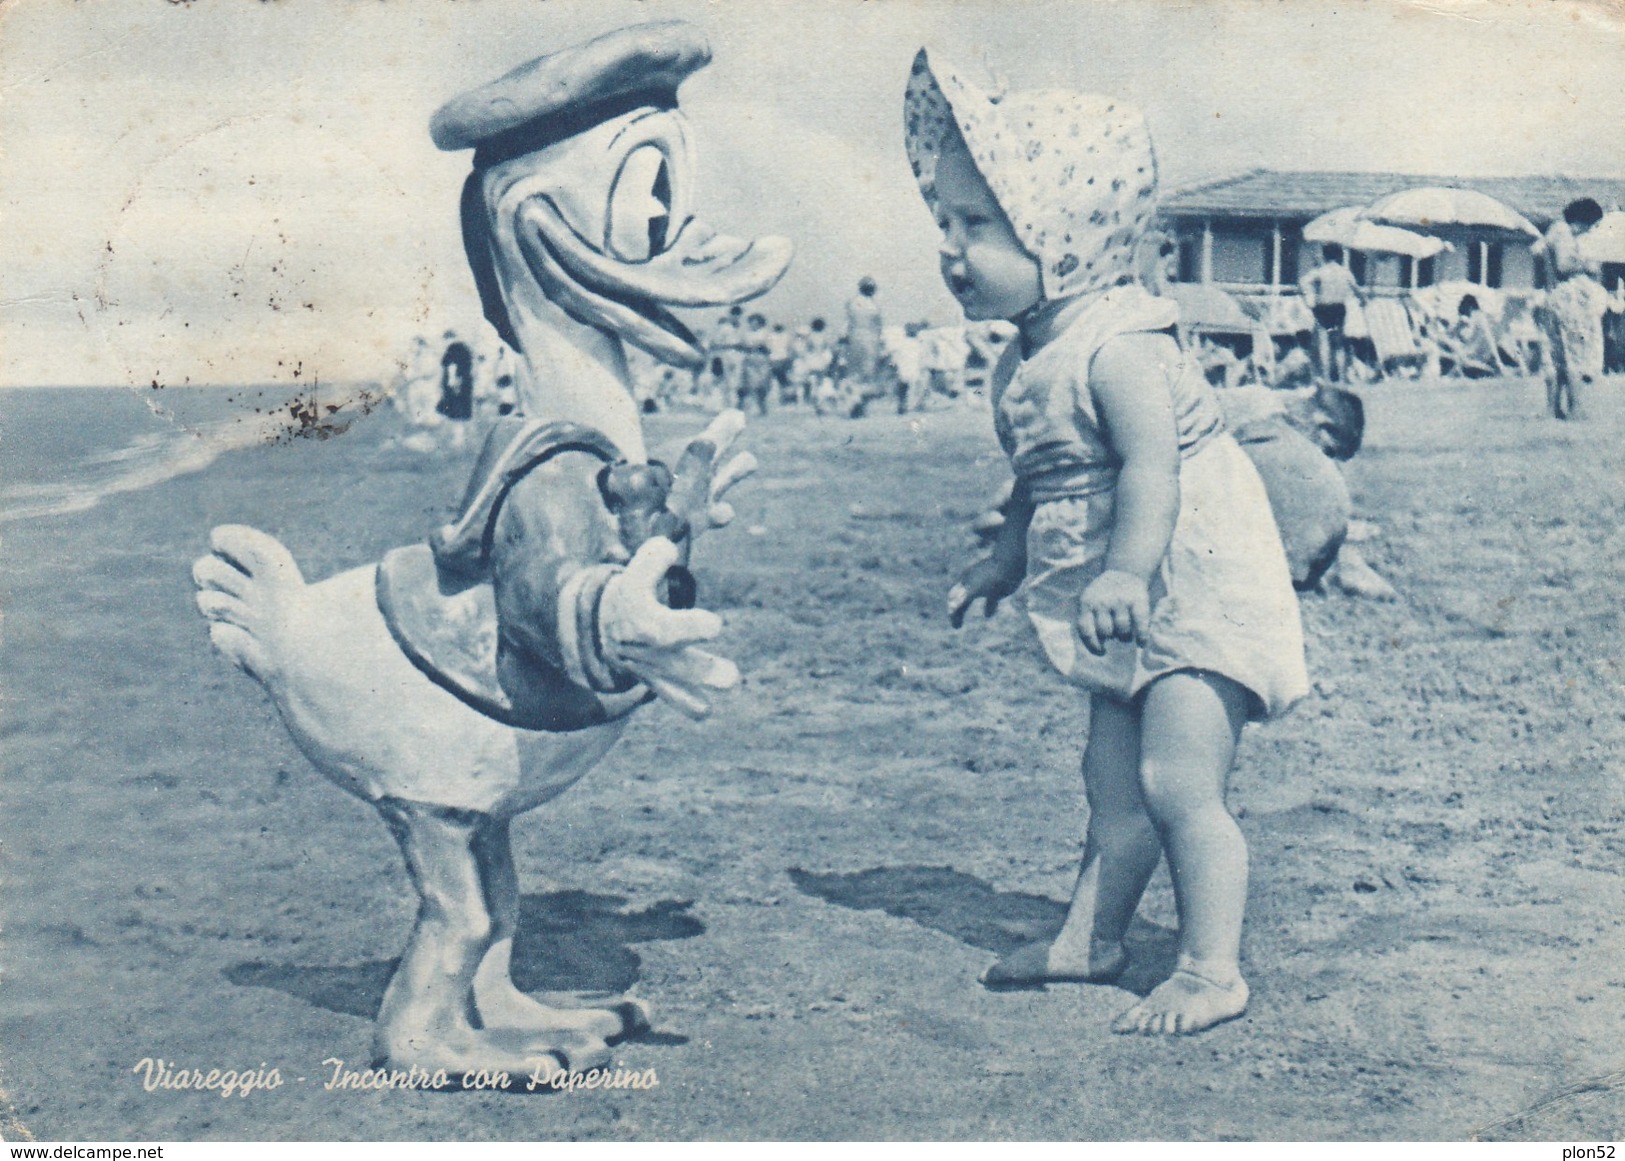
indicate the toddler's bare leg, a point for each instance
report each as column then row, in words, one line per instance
column 427, row 1015
column 500, row 1003
column 1120, row 852
column 1190, row 723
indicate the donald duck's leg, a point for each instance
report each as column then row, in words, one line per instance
column 428, row 1015
column 499, row 1002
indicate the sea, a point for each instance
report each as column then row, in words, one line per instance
column 65, row 449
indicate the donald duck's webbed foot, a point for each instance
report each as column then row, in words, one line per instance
column 467, row 1050
column 504, row 1008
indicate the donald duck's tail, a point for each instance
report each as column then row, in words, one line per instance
column 244, row 588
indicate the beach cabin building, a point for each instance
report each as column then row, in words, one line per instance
column 1244, row 233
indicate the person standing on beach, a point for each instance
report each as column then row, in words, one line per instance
column 1572, row 316
column 755, row 365
column 456, row 379
column 780, row 353
column 864, row 339
column 943, row 351
column 1138, row 530
column 728, row 344
column 810, row 367
column 1328, row 289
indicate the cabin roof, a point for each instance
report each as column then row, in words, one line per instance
column 1269, row 193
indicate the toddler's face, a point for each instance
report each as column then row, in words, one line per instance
column 982, row 262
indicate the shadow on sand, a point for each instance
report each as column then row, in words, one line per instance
column 568, row 941
column 971, row 911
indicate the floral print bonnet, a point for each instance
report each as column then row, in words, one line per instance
column 1074, row 172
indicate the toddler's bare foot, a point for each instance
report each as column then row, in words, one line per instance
column 1054, row 963
column 1184, row 1003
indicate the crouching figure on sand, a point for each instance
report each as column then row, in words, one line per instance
column 461, row 681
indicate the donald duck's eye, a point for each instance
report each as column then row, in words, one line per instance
column 640, row 206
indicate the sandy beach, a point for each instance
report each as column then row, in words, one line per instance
column 806, row 887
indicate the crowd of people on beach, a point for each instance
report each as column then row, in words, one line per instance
column 759, row 365
column 751, row 362
column 1326, row 334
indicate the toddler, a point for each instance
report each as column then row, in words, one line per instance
column 1154, row 574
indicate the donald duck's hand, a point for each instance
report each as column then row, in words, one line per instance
column 657, row 644
column 702, row 478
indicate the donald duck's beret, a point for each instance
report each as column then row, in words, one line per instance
column 567, row 92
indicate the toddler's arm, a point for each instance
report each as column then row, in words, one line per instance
column 1130, row 382
column 999, row 573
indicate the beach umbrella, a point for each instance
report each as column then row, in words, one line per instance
column 1431, row 206
column 1605, row 242
column 1206, row 307
column 1334, row 226
column 1349, row 230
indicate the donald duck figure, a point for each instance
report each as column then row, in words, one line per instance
column 461, row 681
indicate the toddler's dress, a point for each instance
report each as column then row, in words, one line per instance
column 1222, row 600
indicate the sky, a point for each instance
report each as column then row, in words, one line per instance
column 230, row 191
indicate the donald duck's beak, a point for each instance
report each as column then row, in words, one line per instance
column 698, row 268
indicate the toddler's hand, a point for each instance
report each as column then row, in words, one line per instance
column 990, row 580
column 1116, row 605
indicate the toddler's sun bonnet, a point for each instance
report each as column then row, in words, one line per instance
column 1073, row 172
